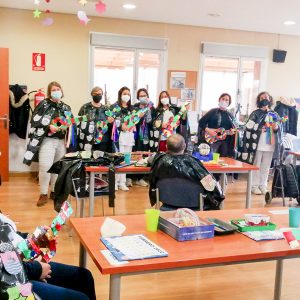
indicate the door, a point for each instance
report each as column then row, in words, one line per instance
column 4, row 112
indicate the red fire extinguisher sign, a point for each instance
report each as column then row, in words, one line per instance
column 38, row 61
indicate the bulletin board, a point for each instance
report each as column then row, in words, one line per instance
column 182, row 87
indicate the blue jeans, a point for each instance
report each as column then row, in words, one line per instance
column 66, row 283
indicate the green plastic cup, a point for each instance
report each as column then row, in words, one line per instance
column 152, row 216
column 294, row 216
column 127, row 157
column 216, row 156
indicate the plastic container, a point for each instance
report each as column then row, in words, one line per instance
column 242, row 226
column 222, row 227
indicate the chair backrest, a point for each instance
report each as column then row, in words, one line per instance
column 179, row 193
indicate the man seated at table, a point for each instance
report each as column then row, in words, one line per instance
column 175, row 164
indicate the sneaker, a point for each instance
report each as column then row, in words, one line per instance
column 42, row 200
column 256, row 191
column 116, row 188
column 141, row 182
column 263, row 189
column 128, row 181
column 124, row 188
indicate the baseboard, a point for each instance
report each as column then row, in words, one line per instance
column 23, row 174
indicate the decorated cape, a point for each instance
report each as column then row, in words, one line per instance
column 42, row 117
column 254, row 125
column 14, row 283
column 95, row 129
column 183, row 166
column 156, row 129
column 143, row 129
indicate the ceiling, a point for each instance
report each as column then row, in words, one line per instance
column 254, row 15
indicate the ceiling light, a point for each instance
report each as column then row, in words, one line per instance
column 129, row 6
column 214, row 15
column 289, row 23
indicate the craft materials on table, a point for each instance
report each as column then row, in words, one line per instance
column 132, row 247
column 264, row 235
column 43, row 241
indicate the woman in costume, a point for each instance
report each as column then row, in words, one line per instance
column 94, row 133
column 47, row 135
column 261, row 141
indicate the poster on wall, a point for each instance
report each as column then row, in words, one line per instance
column 38, row 61
column 188, row 94
column 177, row 80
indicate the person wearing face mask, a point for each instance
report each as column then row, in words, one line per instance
column 261, row 141
column 215, row 119
column 161, row 117
column 95, row 132
column 126, row 136
column 46, row 141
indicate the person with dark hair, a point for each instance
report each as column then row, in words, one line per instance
column 51, row 280
column 261, row 141
column 176, row 164
column 94, row 133
column 47, row 137
column 162, row 116
column 216, row 121
column 122, row 131
column 142, row 132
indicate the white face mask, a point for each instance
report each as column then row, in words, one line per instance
column 56, row 95
column 223, row 104
column 125, row 98
column 165, row 101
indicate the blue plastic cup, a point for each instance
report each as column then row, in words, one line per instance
column 294, row 216
column 127, row 157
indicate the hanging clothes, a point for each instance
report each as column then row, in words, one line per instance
column 287, row 107
column 19, row 109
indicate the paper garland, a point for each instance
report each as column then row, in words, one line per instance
column 43, row 241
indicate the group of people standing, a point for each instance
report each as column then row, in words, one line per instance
column 258, row 143
column 120, row 127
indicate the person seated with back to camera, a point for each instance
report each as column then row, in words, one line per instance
column 177, row 164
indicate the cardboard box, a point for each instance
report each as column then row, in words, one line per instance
column 181, row 234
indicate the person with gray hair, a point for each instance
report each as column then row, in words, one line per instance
column 177, row 165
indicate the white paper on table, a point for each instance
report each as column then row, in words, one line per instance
column 111, row 259
column 279, row 212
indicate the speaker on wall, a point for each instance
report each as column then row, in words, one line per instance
column 279, row 55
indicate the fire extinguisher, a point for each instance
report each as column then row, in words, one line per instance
column 38, row 97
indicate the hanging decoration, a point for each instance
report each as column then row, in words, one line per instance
column 82, row 17
column 100, row 7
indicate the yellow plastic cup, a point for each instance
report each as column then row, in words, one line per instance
column 152, row 216
column 216, row 157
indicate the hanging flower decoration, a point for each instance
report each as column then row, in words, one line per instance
column 82, row 17
column 83, row 2
column 100, row 7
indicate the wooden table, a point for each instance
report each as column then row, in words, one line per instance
column 230, row 166
column 220, row 250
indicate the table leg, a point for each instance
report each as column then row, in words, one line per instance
column 249, row 184
column 92, row 193
column 82, row 256
column 278, row 279
column 114, row 287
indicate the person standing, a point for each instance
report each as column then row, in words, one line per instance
column 121, row 129
column 47, row 137
column 218, row 119
column 94, row 133
column 261, row 141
